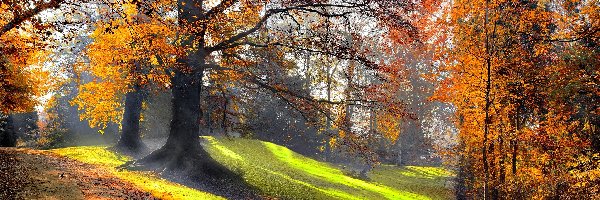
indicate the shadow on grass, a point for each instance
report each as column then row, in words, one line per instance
column 198, row 170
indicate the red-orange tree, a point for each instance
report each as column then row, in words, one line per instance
column 515, row 138
column 129, row 55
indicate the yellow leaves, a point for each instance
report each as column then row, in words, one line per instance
column 125, row 52
column 101, row 103
column 389, row 125
column 332, row 142
column 129, row 9
column 24, row 79
column 153, row 60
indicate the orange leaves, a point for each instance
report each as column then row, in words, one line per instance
column 128, row 51
column 240, row 17
column 23, row 79
column 101, row 103
column 532, row 91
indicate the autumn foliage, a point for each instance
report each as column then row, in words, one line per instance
column 513, row 60
column 521, row 78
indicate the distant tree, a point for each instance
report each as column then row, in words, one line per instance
column 21, row 52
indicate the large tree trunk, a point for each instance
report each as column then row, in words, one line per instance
column 130, row 141
column 183, row 136
column 182, row 152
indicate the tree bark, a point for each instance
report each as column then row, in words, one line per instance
column 130, row 141
column 182, row 152
column 182, row 156
column 184, row 128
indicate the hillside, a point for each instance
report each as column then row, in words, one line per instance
column 280, row 173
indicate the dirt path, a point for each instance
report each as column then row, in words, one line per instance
column 30, row 174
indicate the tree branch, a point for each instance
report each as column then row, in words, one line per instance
column 213, row 12
column 310, row 8
column 18, row 19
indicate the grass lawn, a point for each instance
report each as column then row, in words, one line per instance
column 282, row 173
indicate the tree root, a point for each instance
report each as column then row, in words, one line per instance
column 134, row 150
column 194, row 167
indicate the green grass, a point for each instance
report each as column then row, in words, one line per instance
column 282, row 173
column 149, row 182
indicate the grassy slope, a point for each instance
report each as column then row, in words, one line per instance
column 280, row 172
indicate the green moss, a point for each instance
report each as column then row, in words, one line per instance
column 279, row 172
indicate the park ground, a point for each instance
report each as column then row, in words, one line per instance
column 275, row 172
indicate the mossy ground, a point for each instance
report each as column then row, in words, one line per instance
column 279, row 172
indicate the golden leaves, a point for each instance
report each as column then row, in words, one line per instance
column 125, row 52
column 101, row 103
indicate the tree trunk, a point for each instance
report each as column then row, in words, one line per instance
column 182, row 152
column 8, row 136
column 182, row 148
column 487, row 105
column 183, row 136
column 182, row 156
column 514, row 142
column 130, row 141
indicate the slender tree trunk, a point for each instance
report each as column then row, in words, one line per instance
column 502, row 166
column 224, row 119
column 493, row 171
column 514, row 142
column 130, row 141
column 487, row 104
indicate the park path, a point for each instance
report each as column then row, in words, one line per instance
column 32, row 174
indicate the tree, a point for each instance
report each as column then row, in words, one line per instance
column 505, row 99
column 124, row 59
column 211, row 36
column 21, row 48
